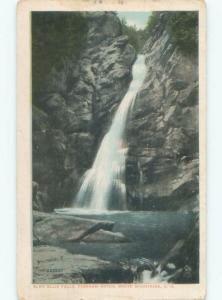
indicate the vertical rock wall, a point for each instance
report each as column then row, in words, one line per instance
column 162, row 167
column 70, row 120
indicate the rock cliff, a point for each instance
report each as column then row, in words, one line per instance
column 70, row 120
column 72, row 117
column 162, row 166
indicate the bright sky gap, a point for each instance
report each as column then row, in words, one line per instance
column 138, row 19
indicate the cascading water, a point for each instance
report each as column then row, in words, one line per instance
column 105, row 180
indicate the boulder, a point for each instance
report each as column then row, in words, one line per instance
column 53, row 265
column 121, row 41
column 104, row 236
column 55, row 228
column 179, row 85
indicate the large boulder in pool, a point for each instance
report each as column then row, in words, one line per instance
column 104, row 236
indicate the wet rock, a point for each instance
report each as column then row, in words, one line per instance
column 104, row 236
column 170, row 266
column 119, row 73
column 121, row 41
column 179, row 85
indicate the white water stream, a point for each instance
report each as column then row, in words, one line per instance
column 105, row 180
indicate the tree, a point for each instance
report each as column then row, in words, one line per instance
column 132, row 33
column 55, row 36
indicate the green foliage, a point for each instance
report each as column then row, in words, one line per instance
column 55, row 36
column 152, row 22
column 183, row 27
column 132, row 33
column 137, row 37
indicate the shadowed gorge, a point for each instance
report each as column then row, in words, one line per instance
column 115, row 148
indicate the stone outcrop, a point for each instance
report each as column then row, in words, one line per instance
column 54, row 229
column 56, row 265
column 104, row 236
column 162, row 166
column 72, row 117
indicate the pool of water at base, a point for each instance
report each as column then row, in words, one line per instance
column 150, row 234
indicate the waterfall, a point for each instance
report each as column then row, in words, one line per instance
column 104, row 183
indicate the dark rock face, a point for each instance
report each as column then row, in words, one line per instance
column 162, row 166
column 70, row 120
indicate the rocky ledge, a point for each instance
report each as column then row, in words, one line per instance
column 52, row 263
column 56, row 265
column 52, row 229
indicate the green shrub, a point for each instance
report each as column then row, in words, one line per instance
column 55, row 36
column 132, row 33
column 152, row 22
column 183, row 27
